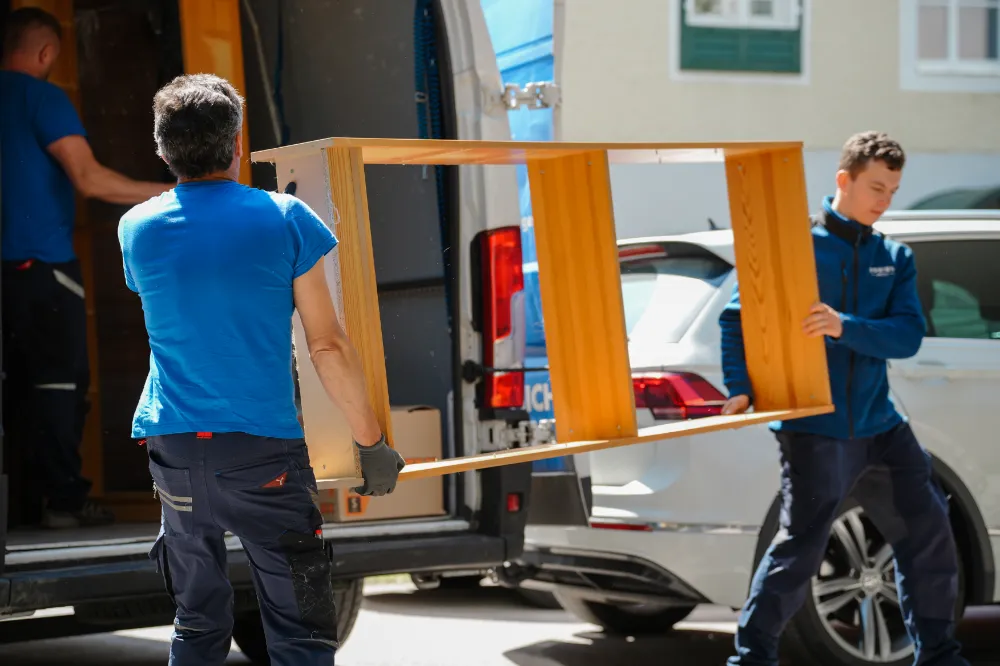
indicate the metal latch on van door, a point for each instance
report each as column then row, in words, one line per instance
column 539, row 95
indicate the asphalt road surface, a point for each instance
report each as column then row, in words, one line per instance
column 488, row 627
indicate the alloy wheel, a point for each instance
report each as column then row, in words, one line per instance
column 855, row 592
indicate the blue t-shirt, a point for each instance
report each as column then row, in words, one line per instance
column 38, row 202
column 213, row 263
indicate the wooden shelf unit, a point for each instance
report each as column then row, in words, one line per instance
column 580, row 284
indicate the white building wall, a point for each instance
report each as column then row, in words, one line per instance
column 667, row 199
column 617, row 69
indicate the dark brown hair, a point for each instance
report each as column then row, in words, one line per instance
column 871, row 146
column 21, row 21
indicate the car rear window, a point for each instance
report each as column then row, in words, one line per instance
column 665, row 286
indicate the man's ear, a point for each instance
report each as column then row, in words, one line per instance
column 47, row 54
column 843, row 178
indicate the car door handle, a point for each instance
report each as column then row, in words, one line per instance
column 927, row 370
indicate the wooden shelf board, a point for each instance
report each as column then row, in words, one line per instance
column 545, row 451
column 452, row 151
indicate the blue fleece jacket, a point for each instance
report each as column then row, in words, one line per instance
column 871, row 281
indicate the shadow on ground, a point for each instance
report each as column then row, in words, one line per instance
column 705, row 640
column 694, row 647
column 487, row 603
column 687, row 648
column 104, row 649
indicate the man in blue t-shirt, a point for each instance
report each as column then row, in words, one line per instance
column 220, row 268
column 45, row 157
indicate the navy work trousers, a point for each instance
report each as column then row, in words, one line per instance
column 45, row 359
column 263, row 491
column 898, row 492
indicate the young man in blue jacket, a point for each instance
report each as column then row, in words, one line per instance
column 868, row 312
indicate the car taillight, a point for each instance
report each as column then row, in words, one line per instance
column 676, row 395
column 503, row 317
column 634, row 252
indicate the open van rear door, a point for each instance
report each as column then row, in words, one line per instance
column 526, row 46
column 3, row 472
column 4, row 500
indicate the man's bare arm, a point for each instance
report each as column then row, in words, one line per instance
column 92, row 179
column 333, row 355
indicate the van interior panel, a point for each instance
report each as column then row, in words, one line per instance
column 359, row 82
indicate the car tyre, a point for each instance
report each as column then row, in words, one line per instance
column 248, row 630
column 624, row 619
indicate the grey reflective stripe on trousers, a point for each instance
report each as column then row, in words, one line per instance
column 175, row 502
column 69, row 283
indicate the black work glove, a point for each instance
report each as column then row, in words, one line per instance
column 380, row 467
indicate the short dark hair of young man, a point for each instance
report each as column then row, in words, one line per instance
column 869, row 175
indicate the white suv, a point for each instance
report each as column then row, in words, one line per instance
column 684, row 521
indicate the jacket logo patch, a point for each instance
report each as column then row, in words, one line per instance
column 882, row 271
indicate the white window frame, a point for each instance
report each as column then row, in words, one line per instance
column 942, row 75
column 736, row 14
column 803, row 78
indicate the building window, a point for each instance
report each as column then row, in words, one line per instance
column 761, row 14
column 762, row 36
column 949, row 45
column 958, row 36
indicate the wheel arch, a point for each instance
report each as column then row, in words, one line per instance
column 968, row 526
column 971, row 535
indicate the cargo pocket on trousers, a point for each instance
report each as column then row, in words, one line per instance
column 266, row 498
column 310, row 570
column 267, row 476
column 173, row 488
column 158, row 554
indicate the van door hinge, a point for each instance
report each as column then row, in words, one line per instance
column 538, row 95
column 498, row 436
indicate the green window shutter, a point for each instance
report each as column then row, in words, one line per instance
column 740, row 49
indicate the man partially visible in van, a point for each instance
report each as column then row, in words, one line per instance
column 869, row 311
column 220, row 267
column 45, row 156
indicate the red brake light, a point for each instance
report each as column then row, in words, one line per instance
column 641, row 252
column 681, row 395
column 503, row 280
column 503, row 277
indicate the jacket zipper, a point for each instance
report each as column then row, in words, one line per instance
column 854, row 310
column 850, row 367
